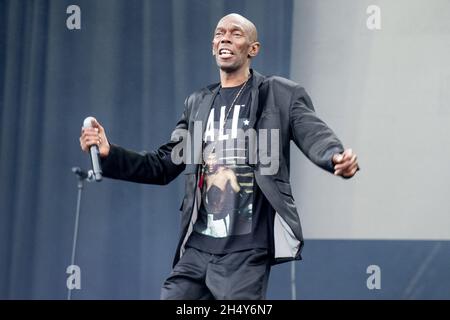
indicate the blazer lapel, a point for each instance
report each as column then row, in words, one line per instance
column 256, row 108
column 202, row 115
column 205, row 107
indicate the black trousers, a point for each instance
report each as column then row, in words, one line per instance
column 199, row 275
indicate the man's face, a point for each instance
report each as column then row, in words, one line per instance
column 211, row 163
column 231, row 44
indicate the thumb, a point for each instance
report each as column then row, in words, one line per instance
column 96, row 124
column 348, row 153
column 337, row 158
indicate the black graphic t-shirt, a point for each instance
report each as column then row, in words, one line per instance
column 234, row 214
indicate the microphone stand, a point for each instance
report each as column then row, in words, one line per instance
column 82, row 176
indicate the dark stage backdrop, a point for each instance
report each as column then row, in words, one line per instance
column 131, row 65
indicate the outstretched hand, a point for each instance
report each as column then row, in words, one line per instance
column 345, row 164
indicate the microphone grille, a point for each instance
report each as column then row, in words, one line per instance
column 87, row 123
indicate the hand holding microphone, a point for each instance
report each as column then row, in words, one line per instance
column 93, row 140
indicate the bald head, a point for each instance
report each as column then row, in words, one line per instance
column 249, row 27
column 234, row 44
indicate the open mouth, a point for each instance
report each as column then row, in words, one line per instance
column 225, row 53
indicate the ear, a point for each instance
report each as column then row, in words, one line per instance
column 254, row 49
column 212, row 49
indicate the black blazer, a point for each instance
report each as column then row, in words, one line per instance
column 277, row 103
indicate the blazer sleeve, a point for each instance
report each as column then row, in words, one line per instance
column 312, row 135
column 155, row 167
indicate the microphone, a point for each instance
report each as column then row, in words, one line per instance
column 94, row 152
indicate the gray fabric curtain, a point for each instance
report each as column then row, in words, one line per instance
column 131, row 65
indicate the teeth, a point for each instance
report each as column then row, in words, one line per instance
column 225, row 51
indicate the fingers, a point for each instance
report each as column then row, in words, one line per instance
column 339, row 158
column 346, row 163
column 90, row 130
column 89, row 137
column 87, row 143
column 351, row 171
column 83, row 145
column 347, row 155
column 346, row 169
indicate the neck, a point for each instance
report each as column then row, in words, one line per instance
column 233, row 79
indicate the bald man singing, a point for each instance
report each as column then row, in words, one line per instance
column 238, row 214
